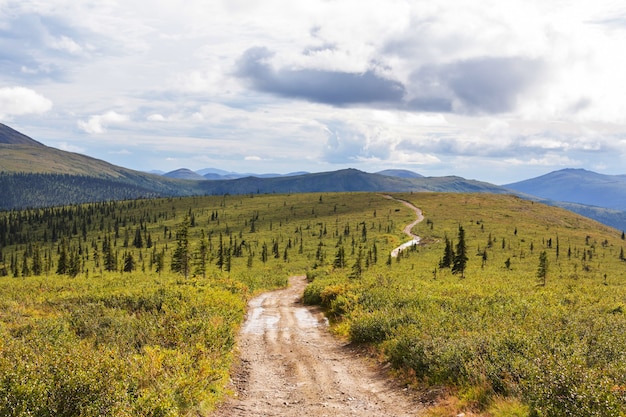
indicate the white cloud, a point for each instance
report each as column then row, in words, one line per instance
column 97, row 124
column 548, row 160
column 66, row 44
column 121, row 152
column 70, row 147
column 156, row 117
column 17, row 101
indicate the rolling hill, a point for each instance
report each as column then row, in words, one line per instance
column 402, row 173
column 577, row 186
column 184, row 174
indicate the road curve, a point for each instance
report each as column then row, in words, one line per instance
column 408, row 229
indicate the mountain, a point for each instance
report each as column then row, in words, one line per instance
column 577, row 186
column 401, row 173
column 220, row 174
column 9, row 136
column 35, row 175
column 345, row 180
column 184, row 174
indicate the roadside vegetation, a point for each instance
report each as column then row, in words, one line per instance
column 534, row 326
column 132, row 308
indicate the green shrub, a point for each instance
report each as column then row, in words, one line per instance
column 374, row 327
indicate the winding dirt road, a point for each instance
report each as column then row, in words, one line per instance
column 290, row 365
column 408, row 229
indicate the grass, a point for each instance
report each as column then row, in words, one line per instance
column 152, row 342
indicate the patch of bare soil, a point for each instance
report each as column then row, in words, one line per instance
column 290, row 365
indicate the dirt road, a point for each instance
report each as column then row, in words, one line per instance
column 415, row 240
column 292, row 366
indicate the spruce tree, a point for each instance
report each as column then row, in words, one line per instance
column 129, row 262
column 340, row 258
column 448, row 255
column 357, row 268
column 542, row 269
column 182, row 255
column 37, row 268
column 63, row 262
column 220, row 253
column 202, row 254
column 460, row 257
column 138, row 240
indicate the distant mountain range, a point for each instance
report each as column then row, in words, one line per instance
column 35, row 175
column 219, row 174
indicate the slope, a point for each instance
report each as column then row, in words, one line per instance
column 11, row 136
column 577, row 186
column 346, row 180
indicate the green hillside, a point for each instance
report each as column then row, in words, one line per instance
column 135, row 305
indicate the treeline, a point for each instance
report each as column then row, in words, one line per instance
column 28, row 190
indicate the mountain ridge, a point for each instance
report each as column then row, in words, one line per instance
column 35, row 175
column 576, row 185
column 10, row 136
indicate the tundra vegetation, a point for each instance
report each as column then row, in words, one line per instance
column 132, row 307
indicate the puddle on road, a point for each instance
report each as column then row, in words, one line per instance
column 307, row 320
column 261, row 320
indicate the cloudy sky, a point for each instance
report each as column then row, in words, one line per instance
column 496, row 90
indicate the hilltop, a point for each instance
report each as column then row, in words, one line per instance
column 10, row 136
column 577, row 186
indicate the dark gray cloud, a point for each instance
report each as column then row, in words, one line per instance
column 335, row 88
column 482, row 85
column 487, row 85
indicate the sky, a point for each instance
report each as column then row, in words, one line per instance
column 494, row 90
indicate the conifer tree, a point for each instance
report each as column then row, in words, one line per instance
column 138, row 240
column 110, row 263
column 357, row 268
column 129, row 262
column 181, row 257
column 340, row 258
column 25, row 268
column 542, row 269
column 73, row 268
column 62, row 264
column 448, row 255
column 202, row 254
column 37, row 267
column 460, row 257
column 220, row 253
